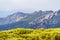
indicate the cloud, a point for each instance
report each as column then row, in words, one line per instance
column 27, row 5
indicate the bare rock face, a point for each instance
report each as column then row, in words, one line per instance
column 49, row 20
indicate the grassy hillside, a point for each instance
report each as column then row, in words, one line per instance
column 30, row 34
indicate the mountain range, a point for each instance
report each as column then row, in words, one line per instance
column 37, row 19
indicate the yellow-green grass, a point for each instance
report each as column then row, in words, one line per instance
column 30, row 34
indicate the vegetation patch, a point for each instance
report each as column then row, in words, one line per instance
column 30, row 34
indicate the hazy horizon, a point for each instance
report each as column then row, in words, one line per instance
column 7, row 7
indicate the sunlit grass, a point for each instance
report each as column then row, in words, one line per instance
column 30, row 34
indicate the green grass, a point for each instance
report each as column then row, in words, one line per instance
column 30, row 34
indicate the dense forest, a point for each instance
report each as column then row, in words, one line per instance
column 30, row 34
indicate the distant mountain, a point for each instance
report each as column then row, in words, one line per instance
column 18, row 16
column 49, row 20
column 37, row 19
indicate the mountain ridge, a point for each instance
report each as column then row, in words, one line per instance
column 37, row 19
column 13, row 18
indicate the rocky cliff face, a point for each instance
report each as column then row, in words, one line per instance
column 48, row 20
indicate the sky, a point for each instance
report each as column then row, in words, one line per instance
column 8, row 7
